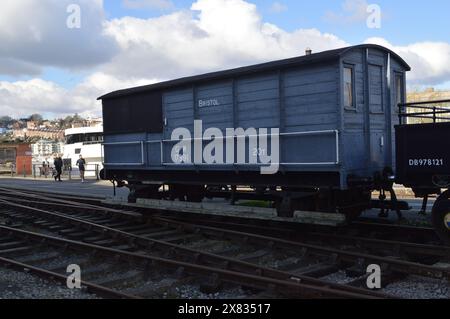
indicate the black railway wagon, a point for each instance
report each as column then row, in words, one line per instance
column 423, row 157
column 330, row 116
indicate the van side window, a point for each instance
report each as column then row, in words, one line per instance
column 349, row 89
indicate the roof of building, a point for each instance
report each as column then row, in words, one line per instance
column 84, row 130
column 45, row 130
column 279, row 64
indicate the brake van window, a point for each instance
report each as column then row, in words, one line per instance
column 348, row 88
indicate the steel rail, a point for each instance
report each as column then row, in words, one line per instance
column 381, row 226
column 399, row 265
column 252, row 280
column 425, row 249
column 63, row 279
column 200, row 256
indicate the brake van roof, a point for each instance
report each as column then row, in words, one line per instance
column 280, row 64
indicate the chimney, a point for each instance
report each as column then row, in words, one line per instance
column 308, row 51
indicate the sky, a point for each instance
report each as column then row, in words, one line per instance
column 58, row 56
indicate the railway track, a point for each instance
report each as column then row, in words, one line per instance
column 120, row 274
column 177, row 240
column 368, row 228
column 419, row 242
column 402, row 239
column 372, row 233
column 281, row 282
column 42, row 255
column 101, row 234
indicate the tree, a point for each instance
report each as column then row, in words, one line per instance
column 36, row 118
column 77, row 118
column 5, row 121
column 68, row 119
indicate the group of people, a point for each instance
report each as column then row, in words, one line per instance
column 58, row 164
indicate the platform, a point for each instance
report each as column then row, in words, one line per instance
column 101, row 189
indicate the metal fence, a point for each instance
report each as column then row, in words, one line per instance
column 425, row 112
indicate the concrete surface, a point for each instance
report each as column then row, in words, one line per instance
column 75, row 187
column 222, row 208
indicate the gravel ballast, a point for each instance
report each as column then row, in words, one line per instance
column 416, row 287
column 18, row 285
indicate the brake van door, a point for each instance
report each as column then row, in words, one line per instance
column 178, row 112
column 377, row 116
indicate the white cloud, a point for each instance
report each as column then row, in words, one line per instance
column 214, row 34
column 33, row 96
column 152, row 4
column 23, row 98
column 34, row 34
column 278, row 7
column 430, row 61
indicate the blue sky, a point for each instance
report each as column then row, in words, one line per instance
column 403, row 22
column 66, row 70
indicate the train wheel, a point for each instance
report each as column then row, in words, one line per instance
column 441, row 219
column 132, row 198
column 177, row 192
column 195, row 194
column 143, row 191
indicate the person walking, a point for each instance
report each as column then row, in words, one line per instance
column 58, row 163
column 45, row 168
column 81, row 163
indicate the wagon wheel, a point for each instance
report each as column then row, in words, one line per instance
column 285, row 207
column 445, row 195
column 352, row 214
column 195, row 194
column 132, row 197
column 441, row 219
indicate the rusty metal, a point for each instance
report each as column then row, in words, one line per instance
column 232, row 264
column 286, row 287
column 396, row 265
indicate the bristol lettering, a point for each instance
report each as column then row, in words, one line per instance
column 208, row 103
column 259, row 151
